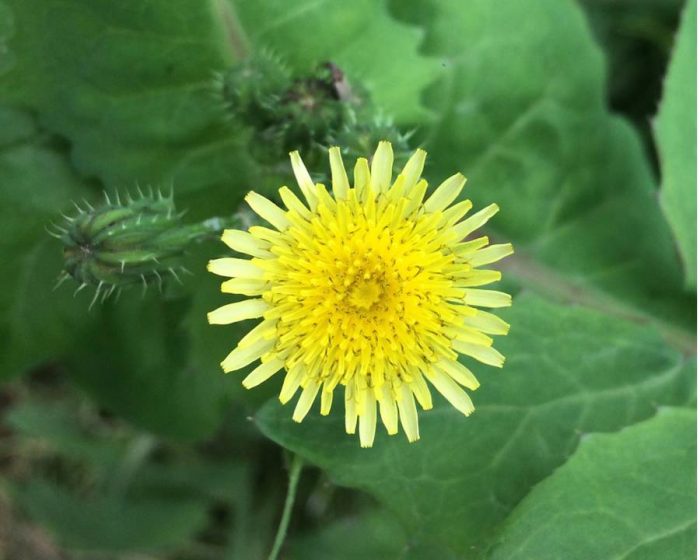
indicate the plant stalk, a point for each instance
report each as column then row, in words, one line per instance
column 294, row 472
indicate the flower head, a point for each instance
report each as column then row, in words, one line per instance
column 371, row 287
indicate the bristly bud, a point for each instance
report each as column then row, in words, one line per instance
column 252, row 89
column 360, row 135
column 134, row 241
column 286, row 112
column 312, row 108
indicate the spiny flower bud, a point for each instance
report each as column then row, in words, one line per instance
column 287, row 112
column 312, row 108
column 252, row 89
column 119, row 243
column 360, row 135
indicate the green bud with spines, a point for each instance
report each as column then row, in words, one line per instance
column 361, row 133
column 136, row 241
column 287, row 111
column 252, row 89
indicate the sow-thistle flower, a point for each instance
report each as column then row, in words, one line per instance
column 371, row 287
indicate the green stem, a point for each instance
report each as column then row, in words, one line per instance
column 294, row 472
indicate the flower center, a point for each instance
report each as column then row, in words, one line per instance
column 365, row 294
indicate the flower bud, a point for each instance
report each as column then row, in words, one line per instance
column 360, row 135
column 288, row 112
column 122, row 243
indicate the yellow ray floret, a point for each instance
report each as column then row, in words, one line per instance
column 371, row 286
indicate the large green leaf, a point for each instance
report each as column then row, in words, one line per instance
column 36, row 183
column 568, row 371
column 137, row 362
column 523, row 117
column 625, row 495
column 130, row 83
column 675, row 128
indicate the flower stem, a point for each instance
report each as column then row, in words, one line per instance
column 294, row 472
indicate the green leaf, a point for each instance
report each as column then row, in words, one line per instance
column 523, row 116
column 37, row 324
column 568, row 371
column 131, row 86
column 108, row 523
column 675, row 128
column 136, row 363
column 625, row 495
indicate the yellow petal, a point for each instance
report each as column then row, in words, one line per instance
column 485, row 354
column 446, row 193
column 361, row 177
column 408, row 413
column 267, row 210
column 368, row 418
column 236, row 268
column 264, row 329
column 421, row 391
column 451, row 391
column 415, row 196
column 487, row 298
column 291, row 383
column 262, row 373
column 244, row 286
column 326, row 400
column 245, row 243
column 239, row 311
column 413, row 168
column 308, row 395
column 241, row 357
column 350, row 409
column 459, row 373
column 292, row 202
column 470, row 246
column 490, row 254
column 382, row 165
column 474, row 222
column 387, row 410
column 455, row 213
column 487, row 323
column 303, row 179
column 339, row 178
column 479, row 278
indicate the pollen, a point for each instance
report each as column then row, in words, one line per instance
column 371, row 289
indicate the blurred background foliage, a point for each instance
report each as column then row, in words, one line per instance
column 119, row 437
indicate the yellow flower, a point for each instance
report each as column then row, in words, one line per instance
column 370, row 287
